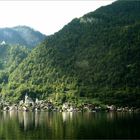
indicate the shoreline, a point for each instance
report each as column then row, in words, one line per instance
column 65, row 107
column 27, row 104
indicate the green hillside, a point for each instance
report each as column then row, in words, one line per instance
column 10, row 57
column 94, row 57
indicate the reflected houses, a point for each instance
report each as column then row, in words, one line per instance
column 5, row 115
column 28, row 120
column 111, row 116
column 36, row 119
column 13, row 114
column 56, row 124
column 66, row 116
column 20, row 118
column 71, row 115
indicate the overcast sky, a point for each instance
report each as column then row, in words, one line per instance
column 45, row 16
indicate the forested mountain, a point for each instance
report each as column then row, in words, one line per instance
column 14, row 47
column 21, row 35
column 96, row 56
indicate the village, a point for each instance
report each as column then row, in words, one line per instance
column 27, row 104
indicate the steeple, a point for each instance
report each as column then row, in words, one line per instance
column 26, row 97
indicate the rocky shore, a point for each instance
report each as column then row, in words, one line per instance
column 43, row 105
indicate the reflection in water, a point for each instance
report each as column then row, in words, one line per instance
column 26, row 119
column 68, row 125
column 20, row 118
column 13, row 114
column 36, row 119
column 5, row 114
column 67, row 116
column 71, row 115
column 111, row 115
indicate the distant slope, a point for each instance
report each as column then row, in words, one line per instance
column 31, row 37
column 21, row 35
column 95, row 56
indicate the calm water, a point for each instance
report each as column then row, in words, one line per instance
column 43, row 125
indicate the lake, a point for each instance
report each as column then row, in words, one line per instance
column 68, row 125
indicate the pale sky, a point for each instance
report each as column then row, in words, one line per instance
column 47, row 17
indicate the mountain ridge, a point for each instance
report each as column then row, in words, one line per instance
column 21, row 35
